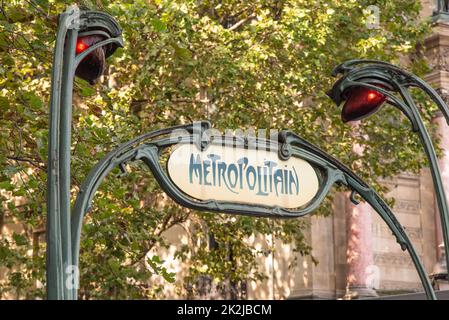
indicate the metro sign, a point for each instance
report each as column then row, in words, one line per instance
column 239, row 175
column 281, row 177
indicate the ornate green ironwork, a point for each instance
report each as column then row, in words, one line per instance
column 72, row 23
column 149, row 148
column 395, row 83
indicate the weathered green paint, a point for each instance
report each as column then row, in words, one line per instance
column 59, row 255
column 55, row 257
column 149, row 148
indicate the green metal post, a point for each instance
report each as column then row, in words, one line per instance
column 60, row 270
column 64, row 149
column 58, row 253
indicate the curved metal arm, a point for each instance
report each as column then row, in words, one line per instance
column 361, row 73
column 356, row 184
column 389, row 75
column 86, row 52
column 288, row 145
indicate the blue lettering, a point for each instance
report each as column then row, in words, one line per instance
column 195, row 167
column 232, row 168
column 259, row 182
column 266, row 178
column 252, row 171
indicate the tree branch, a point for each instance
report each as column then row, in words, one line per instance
column 241, row 22
column 33, row 162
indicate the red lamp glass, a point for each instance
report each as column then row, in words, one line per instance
column 81, row 46
column 92, row 66
column 360, row 103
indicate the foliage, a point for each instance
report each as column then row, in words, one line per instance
column 240, row 64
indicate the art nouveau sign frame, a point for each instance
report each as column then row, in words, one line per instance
column 194, row 140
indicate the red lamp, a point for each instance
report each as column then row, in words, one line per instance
column 360, row 103
column 92, row 66
column 81, row 46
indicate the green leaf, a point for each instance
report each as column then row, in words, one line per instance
column 6, row 185
column 182, row 52
column 19, row 239
column 33, row 100
column 87, row 90
column 158, row 25
column 4, row 103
